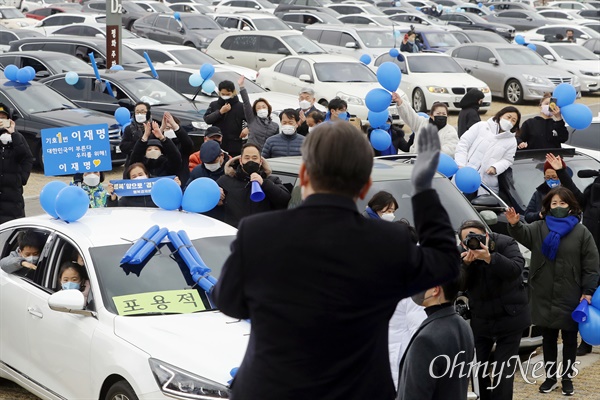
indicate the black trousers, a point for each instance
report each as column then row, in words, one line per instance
column 501, row 388
column 550, row 348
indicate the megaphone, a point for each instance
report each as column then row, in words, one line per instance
column 580, row 314
column 256, row 193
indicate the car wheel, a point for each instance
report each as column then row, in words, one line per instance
column 121, row 391
column 189, row 44
column 419, row 103
column 513, row 92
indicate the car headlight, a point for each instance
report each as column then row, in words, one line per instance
column 175, row 382
column 348, row 98
column 535, row 79
column 502, row 29
column 200, row 125
column 589, row 73
column 437, row 89
column 485, row 89
column 206, row 40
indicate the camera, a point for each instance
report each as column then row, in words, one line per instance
column 473, row 241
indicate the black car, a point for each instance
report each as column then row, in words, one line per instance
column 7, row 36
column 35, row 107
column 470, row 21
column 80, row 48
column 129, row 88
column 45, row 63
column 191, row 29
column 131, row 12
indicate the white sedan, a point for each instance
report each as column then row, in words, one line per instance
column 431, row 77
column 329, row 76
column 147, row 331
column 581, row 33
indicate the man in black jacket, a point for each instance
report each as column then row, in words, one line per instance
column 319, row 283
column 469, row 113
column 306, row 100
column 227, row 113
column 493, row 268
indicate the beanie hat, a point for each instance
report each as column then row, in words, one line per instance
column 155, row 142
column 209, row 151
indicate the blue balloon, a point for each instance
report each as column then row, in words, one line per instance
column 48, row 196
column 422, row 114
column 389, row 76
column 378, row 119
column 10, row 72
column 394, row 53
column 378, row 99
column 207, row 71
column 177, row 16
column 580, row 314
column 166, row 194
column 72, row 203
column 447, row 165
column 532, row 46
column 596, row 299
column 492, row 8
column 202, row 195
column 578, row 116
column 397, row 34
column 122, row 116
column 519, row 39
column 71, row 78
column 30, row 71
column 380, row 139
column 208, row 86
column 564, row 94
column 467, row 179
column 117, row 67
column 365, row 59
column 195, row 79
column 480, row 5
column 590, row 329
column 23, row 75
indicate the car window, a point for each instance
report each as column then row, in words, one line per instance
column 245, row 43
column 32, row 62
column 467, row 52
column 542, row 51
column 270, row 45
column 551, row 31
column 304, row 69
column 314, row 34
column 484, row 55
column 585, row 138
column 433, row 64
column 344, row 72
column 288, row 67
column 75, row 92
column 7, row 37
column 331, row 37
column 157, row 56
column 7, row 60
column 520, row 56
column 347, row 38
column 292, row 17
column 162, row 22
column 9, row 242
column 512, row 14
column 378, row 39
column 98, row 6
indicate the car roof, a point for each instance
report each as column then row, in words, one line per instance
column 76, row 14
column 64, row 38
column 43, row 54
column 158, row 47
column 326, row 58
column 115, row 225
column 116, row 75
column 191, row 68
column 350, row 27
column 494, row 45
column 260, row 33
column 253, row 15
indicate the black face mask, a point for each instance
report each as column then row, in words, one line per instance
column 250, row 167
column 440, row 121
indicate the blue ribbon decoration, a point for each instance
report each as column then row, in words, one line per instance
column 154, row 73
column 132, row 252
column 196, row 271
column 188, row 243
column 149, row 246
column 97, row 73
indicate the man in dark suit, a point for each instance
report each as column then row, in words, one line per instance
column 306, row 100
column 320, row 282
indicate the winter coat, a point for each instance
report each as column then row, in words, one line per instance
column 185, row 146
column 448, row 136
column 282, row 146
column 532, row 213
column 11, row 264
column 556, row 286
column 398, row 141
column 134, row 201
column 303, row 128
column 97, row 194
column 543, row 133
column 469, row 113
column 237, row 187
column 230, row 123
column 16, row 162
column 200, row 171
column 409, row 47
column 482, row 147
column 260, row 128
column 169, row 163
column 591, row 213
column 131, row 135
column 497, row 296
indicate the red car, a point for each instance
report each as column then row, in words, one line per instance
column 42, row 13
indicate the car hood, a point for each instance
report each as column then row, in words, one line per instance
column 183, row 111
column 73, row 117
column 359, row 89
column 545, row 71
column 206, row 33
column 583, row 65
column 458, row 79
column 208, row 344
column 17, row 21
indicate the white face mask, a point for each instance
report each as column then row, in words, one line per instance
column 305, row 104
column 91, row 180
column 170, row 134
column 140, row 177
column 225, row 97
column 262, row 113
column 388, row 217
column 153, row 154
column 213, row 167
column 32, row 259
column 5, row 138
column 505, row 125
column 546, row 110
column 311, row 128
column 288, row 129
column 140, row 118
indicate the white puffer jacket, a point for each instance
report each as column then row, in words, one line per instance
column 482, row 147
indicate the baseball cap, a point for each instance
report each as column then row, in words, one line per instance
column 209, row 151
column 5, row 110
column 213, row 131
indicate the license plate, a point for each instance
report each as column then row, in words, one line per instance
column 117, row 149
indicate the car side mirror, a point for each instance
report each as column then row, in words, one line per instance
column 99, row 35
column 257, row 7
column 169, row 62
column 486, row 200
column 351, row 45
column 284, row 51
column 529, row 19
column 181, row 30
column 123, row 11
column 489, row 217
column 493, row 60
column 549, row 57
column 68, row 301
column 584, row 37
column 305, row 78
column 42, row 74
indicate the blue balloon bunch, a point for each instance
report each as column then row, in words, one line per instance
column 447, row 165
column 123, row 116
column 202, row 195
column 467, row 179
column 20, row 75
column 202, row 78
column 578, row 116
column 72, row 78
column 61, row 201
column 588, row 318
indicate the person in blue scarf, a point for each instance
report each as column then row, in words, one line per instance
column 381, row 206
column 563, row 272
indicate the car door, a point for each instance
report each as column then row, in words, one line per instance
column 284, row 77
column 270, row 49
column 488, row 72
column 346, row 38
column 242, row 50
column 160, row 30
column 462, row 21
column 466, row 56
column 330, row 41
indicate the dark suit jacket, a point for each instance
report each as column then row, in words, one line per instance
column 443, row 333
column 320, row 283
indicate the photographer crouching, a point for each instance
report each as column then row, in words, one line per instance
column 493, row 266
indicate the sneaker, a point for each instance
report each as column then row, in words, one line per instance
column 584, row 349
column 548, row 385
column 567, row 387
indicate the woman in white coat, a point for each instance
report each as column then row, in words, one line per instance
column 438, row 117
column 490, row 146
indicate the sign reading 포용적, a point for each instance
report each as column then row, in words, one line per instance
column 76, row 149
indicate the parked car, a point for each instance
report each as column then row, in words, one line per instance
column 202, row 2
column 244, row 6
column 27, row 5
column 45, row 63
column 595, row 25
column 367, row 19
column 153, row 6
column 469, row 21
column 49, row 24
column 346, row 9
column 433, row 39
column 35, row 107
column 417, row 19
column 300, row 19
column 10, row 35
column 512, row 72
column 250, row 22
column 118, row 358
column 428, row 78
column 471, row 36
column 99, row 31
column 41, row 13
column 189, row 8
column 521, row 20
column 129, row 88
column 130, row 12
column 190, row 30
column 12, row 18
column 559, row 16
column 475, row 9
column 590, row 14
column 586, row 141
column 548, row 33
column 500, row 5
column 570, row 5
column 593, row 45
column 258, row 49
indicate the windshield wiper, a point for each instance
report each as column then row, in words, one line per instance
column 58, row 109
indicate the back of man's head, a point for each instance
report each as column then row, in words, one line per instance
column 338, row 159
column 451, row 289
column 31, row 239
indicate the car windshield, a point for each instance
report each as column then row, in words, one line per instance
column 520, row 57
column 162, row 271
column 36, row 98
column 574, row 53
column 192, row 56
column 378, row 39
column 152, row 91
column 383, row 21
column 484, row 37
column 270, row 24
column 266, row 4
column 9, row 13
column 441, row 39
column 372, row 10
column 433, row 64
column 156, row 6
column 302, row 45
column 344, row 72
column 67, row 64
column 196, row 21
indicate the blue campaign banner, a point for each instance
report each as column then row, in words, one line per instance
column 135, row 187
column 76, row 149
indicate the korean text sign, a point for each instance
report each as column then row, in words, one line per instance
column 76, row 149
column 136, row 187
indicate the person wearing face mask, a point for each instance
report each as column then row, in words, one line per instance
column 490, row 146
column 24, row 259
column 469, row 113
column 562, row 273
column 398, row 140
column 337, row 110
column 409, row 43
column 236, row 183
column 135, row 171
column 313, row 119
column 288, row 142
column 258, row 117
column 424, row 375
column 158, row 154
column 212, row 133
column 381, row 206
column 73, row 276
column 555, row 174
column 135, row 130
column 213, row 167
column 306, row 101
column 438, row 116
column 227, row 113
column 91, row 183
column 545, row 131
column 172, row 130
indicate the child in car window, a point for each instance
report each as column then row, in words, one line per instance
column 24, row 259
column 73, row 276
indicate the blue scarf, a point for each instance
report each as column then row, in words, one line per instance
column 559, row 228
column 372, row 213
